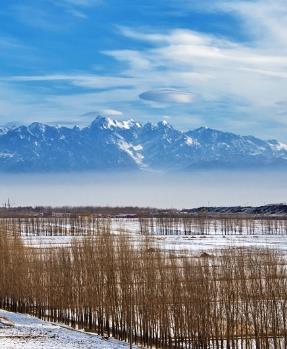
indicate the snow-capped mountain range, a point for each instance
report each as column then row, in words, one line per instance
column 128, row 145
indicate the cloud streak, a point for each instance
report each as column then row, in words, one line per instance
column 49, row 16
column 81, row 3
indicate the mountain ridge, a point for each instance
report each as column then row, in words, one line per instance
column 108, row 144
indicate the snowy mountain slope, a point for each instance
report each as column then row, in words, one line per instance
column 223, row 149
column 128, row 145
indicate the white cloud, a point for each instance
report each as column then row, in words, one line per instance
column 265, row 19
column 133, row 58
column 166, row 95
column 111, row 112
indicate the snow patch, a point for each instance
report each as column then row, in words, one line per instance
column 126, row 124
column 27, row 332
column 278, row 146
column 133, row 151
column 189, row 141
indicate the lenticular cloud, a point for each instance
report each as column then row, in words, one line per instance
column 166, row 95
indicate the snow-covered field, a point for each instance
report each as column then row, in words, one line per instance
column 19, row 331
column 191, row 243
column 197, row 244
column 201, row 243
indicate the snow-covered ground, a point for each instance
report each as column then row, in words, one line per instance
column 191, row 243
column 199, row 244
column 18, row 331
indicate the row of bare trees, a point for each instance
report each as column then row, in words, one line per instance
column 54, row 226
column 139, row 293
column 166, row 225
column 201, row 224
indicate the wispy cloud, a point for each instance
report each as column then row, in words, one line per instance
column 84, row 3
column 92, row 81
column 10, row 43
column 37, row 17
column 48, row 14
column 16, row 52
column 76, row 8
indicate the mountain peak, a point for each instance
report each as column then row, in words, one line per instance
column 205, row 129
column 105, row 122
column 164, row 124
column 100, row 120
column 37, row 127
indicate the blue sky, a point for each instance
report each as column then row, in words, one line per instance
column 195, row 63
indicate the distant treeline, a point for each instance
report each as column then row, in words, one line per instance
column 205, row 224
column 47, row 211
column 141, row 294
column 131, row 211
